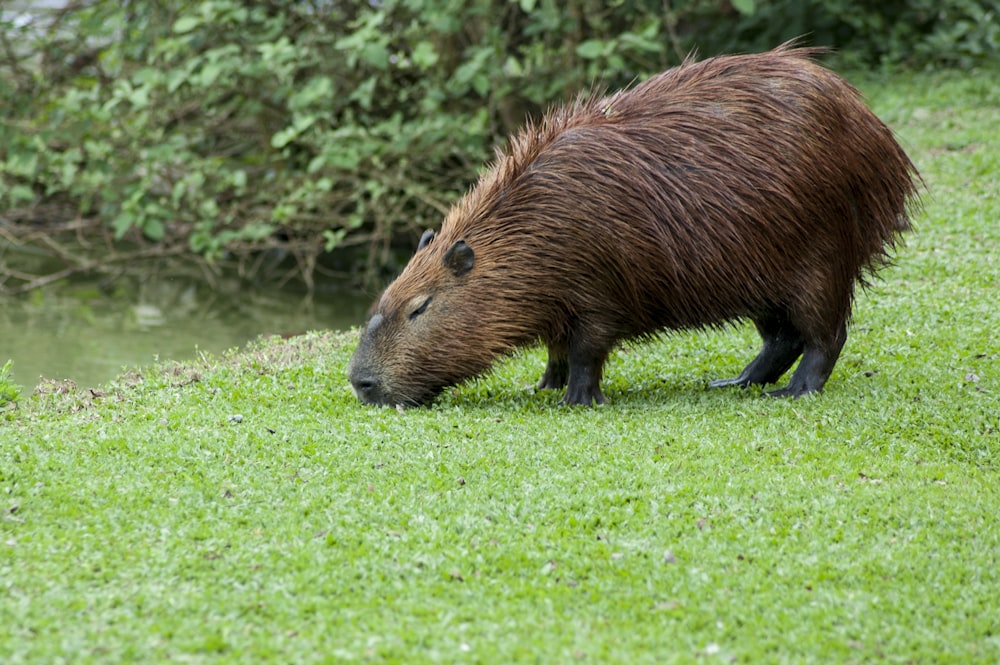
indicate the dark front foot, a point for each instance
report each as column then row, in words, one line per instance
column 584, row 395
column 584, row 380
column 556, row 372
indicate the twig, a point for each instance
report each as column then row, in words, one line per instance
column 38, row 282
column 671, row 20
column 65, row 254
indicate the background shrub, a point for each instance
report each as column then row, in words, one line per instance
column 316, row 137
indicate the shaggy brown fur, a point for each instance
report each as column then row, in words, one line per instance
column 741, row 187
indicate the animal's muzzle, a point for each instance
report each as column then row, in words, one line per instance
column 368, row 388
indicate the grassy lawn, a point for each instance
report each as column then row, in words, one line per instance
column 248, row 509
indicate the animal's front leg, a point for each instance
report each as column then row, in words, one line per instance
column 557, row 370
column 586, row 366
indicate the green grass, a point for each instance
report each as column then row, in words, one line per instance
column 248, row 509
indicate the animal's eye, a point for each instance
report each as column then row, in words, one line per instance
column 421, row 309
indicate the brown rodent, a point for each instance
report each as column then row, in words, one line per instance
column 741, row 187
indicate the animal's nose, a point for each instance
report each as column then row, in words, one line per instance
column 365, row 387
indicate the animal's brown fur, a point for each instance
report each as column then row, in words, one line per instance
column 740, row 187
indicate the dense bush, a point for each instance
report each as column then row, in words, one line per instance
column 223, row 128
column 909, row 32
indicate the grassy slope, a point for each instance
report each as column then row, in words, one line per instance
column 148, row 522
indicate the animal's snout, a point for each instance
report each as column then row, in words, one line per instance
column 366, row 387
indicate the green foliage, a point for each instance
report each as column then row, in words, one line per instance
column 914, row 32
column 226, row 127
column 9, row 391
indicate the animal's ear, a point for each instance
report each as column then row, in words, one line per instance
column 459, row 258
column 425, row 239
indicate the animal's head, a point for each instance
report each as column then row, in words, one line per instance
column 477, row 291
column 428, row 330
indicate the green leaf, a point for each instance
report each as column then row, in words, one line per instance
column 186, row 23
column 332, row 238
column 121, row 224
column 481, row 84
column 283, row 137
column 239, row 179
column 19, row 194
column 512, row 67
column 153, row 229
column 591, row 49
column 209, row 73
column 318, row 90
column 745, row 7
column 342, row 157
column 147, row 76
column 139, row 97
column 375, row 54
column 424, row 56
column 364, row 93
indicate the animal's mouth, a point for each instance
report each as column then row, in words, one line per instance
column 370, row 390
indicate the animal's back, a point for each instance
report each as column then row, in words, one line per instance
column 713, row 190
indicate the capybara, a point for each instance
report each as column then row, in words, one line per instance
column 740, row 187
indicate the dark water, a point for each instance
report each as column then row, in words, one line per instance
column 90, row 334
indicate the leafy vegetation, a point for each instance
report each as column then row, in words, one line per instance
column 9, row 391
column 305, row 138
column 248, row 508
column 957, row 33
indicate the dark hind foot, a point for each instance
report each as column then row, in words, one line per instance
column 788, row 391
column 782, row 345
column 814, row 369
column 741, row 381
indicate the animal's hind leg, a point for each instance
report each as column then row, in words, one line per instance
column 782, row 345
column 817, row 363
